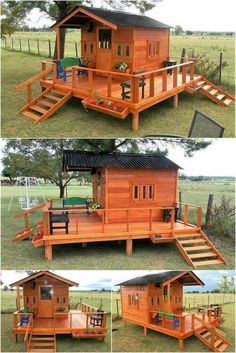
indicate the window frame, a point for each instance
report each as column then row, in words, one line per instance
column 143, row 192
column 153, row 48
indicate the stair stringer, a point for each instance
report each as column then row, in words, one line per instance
column 212, row 96
column 213, row 247
column 218, row 334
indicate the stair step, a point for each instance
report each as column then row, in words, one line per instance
column 200, row 83
column 45, row 102
column 228, row 101
column 195, row 248
column 206, row 87
column 30, row 115
column 208, row 262
column 220, row 96
column 41, row 350
column 43, row 338
column 43, row 344
column 54, row 98
column 200, row 255
column 217, row 343
column 188, row 235
column 214, row 91
column 223, row 347
column 58, row 92
column 206, row 335
column 191, row 241
column 38, row 109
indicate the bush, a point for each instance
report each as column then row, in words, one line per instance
column 223, row 219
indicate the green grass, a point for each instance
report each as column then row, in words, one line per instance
column 113, row 256
column 72, row 120
column 130, row 338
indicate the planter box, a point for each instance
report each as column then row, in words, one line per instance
column 61, row 315
column 119, row 77
column 120, row 115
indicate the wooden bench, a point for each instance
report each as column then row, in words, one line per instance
column 65, row 63
column 167, row 317
column 75, row 202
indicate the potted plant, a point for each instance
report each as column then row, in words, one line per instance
column 95, row 206
column 63, row 312
column 37, row 236
column 121, row 66
column 87, row 63
column 106, row 106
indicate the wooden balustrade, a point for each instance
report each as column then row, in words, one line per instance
column 186, row 213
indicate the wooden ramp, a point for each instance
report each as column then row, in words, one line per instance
column 213, row 338
column 42, row 343
column 47, row 103
column 215, row 93
column 197, row 249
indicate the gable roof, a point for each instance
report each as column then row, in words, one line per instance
column 108, row 17
column 40, row 274
column 80, row 160
column 184, row 277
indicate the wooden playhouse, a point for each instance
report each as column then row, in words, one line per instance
column 124, row 68
column 135, row 197
column 45, row 312
column 155, row 302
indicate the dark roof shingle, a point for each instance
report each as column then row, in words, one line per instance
column 81, row 159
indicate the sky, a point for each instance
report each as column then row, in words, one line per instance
column 90, row 280
column 215, row 160
column 205, row 15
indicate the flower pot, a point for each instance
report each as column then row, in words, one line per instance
column 118, row 111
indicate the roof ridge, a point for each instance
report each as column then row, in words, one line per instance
column 117, row 153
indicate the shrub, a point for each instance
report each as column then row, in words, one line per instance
column 223, row 219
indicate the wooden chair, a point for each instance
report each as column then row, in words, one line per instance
column 61, row 218
column 67, row 62
column 97, row 319
column 127, row 85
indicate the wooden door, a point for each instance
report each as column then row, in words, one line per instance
column 104, row 49
column 45, row 301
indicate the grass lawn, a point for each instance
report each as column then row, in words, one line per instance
column 73, row 256
column 130, row 338
column 72, row 120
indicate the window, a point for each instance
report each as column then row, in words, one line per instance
column 104, row 40
column 143, row 192
column 123, row 50
column 165, row 293
column 91, row 48
column 133, row 300
column 87, row 48
column 153, row 49
column 155, row 301
column 45, row 293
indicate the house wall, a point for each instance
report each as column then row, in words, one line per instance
column 31, row 293
column 120, row 189
column 144, row 37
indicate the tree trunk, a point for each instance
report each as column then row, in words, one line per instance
column 62, row 191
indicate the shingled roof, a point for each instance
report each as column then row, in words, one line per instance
column 77, row 160
column 159, row 278
column 119, row 18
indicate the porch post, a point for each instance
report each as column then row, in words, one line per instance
column 135, row 121
column 129, row 247
column 168, row 297
column 18, row 298
column 181, row 344
column 58, row 43
column 175, row 101
column 48, row 252
column 145, row 331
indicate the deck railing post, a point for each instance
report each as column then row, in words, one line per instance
column 134, row 89
column 109, row 83
column 90, row 80
column 77, row 223
column 192, row 71
column 164, row 80
column 103, row 221
column 152, row 85
column 184, row 72
column 203, row 316
column 172, row 218
column 43, row 67
column 54, row 72
column 182, row 324
column 185, row 214
column 73, row 79
column 199, row 217
column 175, row 77
column 150, row 219
column 127, row 220
column 193, row 323
column 163, row 320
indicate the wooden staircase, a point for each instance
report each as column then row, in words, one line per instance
column 42, row 343
column 197, row 249
column 43, row 106
column 215, row 93
column 214, row 338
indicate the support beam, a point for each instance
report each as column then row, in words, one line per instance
column 18, row 298
column 145, row 331
column 129, row 247
column 48, row 252
column 181, row 344
column 58, row 43
column 175, row 101
column 135, row 121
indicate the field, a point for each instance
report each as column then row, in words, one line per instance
column 72, row 120
column 112, row 254
column 130, row 338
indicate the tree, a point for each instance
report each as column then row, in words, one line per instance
column 178, row 30
column 15, row 12
column 225, row 285
column 44, row 158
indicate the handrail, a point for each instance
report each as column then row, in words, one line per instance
column 34, row 78
column 186, row 213
column 163, row 69
column 31, row 210
column 61, row 209
column 28, row 327
column 187, row 204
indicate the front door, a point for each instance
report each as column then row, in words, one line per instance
column 104, row 49
column 45, row 301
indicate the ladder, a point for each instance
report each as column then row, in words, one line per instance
column 215, row 93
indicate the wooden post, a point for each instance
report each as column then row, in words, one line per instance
column 185, row 214
column 175, row 101
column 164, row 80
column 134, row 95
column 182, row 323
column 150, row 219
column 117, row 308
column 192, row 323
column 220, row 67
column 90, row 80
column 58, row 44
column 48, row 252
column 175, row 77
column 38, row 46
column 191, row 71
column 184, row 72
column 135, row 121
column 73, row 79
column 29, row 45
column 129, row 247
column 109, row 82
column 172, row 218
column 29, row 93
column 49, row 49
column 181, row 344
column 17, row 298
column 20, row 44
column 127, row 220
column 182, row 59
column 76, row 50
column 54, row 72
column 209, row 210
column 152, row 85
column 180, row 205
column 145, row 331
column 199, row 217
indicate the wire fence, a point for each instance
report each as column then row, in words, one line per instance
column 39, row 47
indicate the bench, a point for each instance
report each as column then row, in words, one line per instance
column 127, row 85
column 63, row 64
column 75, row 202
column 167, row 317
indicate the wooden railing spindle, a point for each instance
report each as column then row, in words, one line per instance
column 185, row 214
column 109, row 84
column 191, row 71
column 175, row 77
column 152, row 85
column 184, row 72
column 164, row 80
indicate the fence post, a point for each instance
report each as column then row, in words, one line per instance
column 220, row 67
column 76, row 50
column 117, row 308
column 29, row 45
column 20, row 44
column 49, row 49
column 38, row 46
column 209, row 210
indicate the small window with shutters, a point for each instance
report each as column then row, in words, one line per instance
column 153, row 49
column 143, row 192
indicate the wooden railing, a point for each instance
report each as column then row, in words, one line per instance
column 42, row 75
column 168, row 322
column 186, row 207
column 28, row 333
column 26, row 215
column 104, row 215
